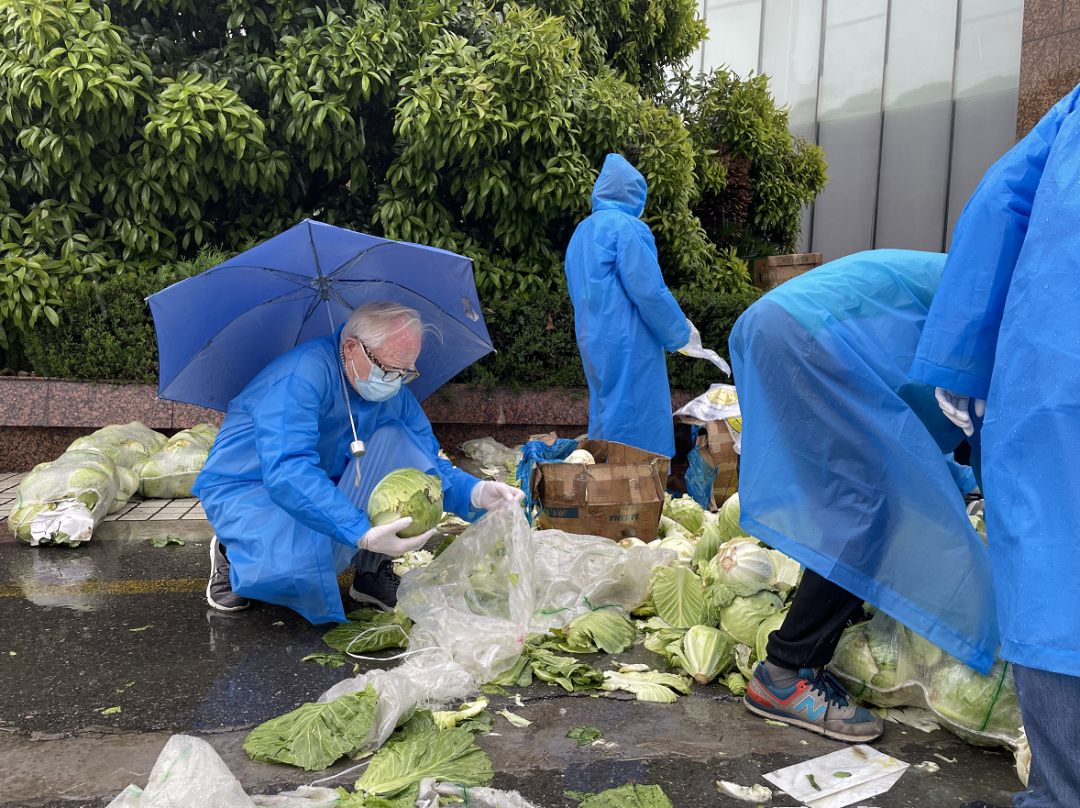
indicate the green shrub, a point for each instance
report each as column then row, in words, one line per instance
column 106, row 332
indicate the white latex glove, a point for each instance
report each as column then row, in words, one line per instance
column 955, row 408
column 487, row 495
column 384, row 539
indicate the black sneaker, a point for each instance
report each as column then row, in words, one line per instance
column 219, row 592
column 377, row 588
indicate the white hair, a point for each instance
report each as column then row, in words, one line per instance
column 373, row 323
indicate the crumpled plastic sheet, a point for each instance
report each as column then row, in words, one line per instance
column 426, row 679
column 575, row 574
column 434, row 794
column 490, row 452
column 190, row 774
column 476, row 598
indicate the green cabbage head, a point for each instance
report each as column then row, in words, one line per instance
column 687, row 513
column 704, row 653
column 407, row 492
column 742, row 618
column 729, row 519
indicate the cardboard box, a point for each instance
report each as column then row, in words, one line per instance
column 620, row 496
column 768, row 273
column 718, row 449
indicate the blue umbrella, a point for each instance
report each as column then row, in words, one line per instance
column 217, row 330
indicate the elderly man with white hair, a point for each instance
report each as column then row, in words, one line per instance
column 280, row 488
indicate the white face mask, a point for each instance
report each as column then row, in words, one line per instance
column 374, row 388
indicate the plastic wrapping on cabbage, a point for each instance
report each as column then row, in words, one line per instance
column 476, row 599
column 428, row 678
column 77, row 480
column 127, row 445
column 888, row 665
column 490, row 452
column 170, row 473
column 188, row 772
column 575, row 574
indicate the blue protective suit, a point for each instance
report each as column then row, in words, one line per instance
column 843, row 465
column 270, row 490
column 1003, row 327
column 624, row 315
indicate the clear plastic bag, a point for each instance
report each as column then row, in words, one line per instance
column 86, row 476
column 170, row 473
column 888, row 665
column 128, row 445
column 434, row 794
column 476, row 598
column 188, row 772
column 577, row 574
column 490, row 452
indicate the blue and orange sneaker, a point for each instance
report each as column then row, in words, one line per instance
column 817, row 702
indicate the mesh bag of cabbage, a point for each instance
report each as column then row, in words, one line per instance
column 887, row 665
column 170, row 473
column 78, row 479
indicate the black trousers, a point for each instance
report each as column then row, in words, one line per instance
column 819, row 613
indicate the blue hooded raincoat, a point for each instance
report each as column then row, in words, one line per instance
column 624, row 315
column 270, row 490
column 1004, row 328
column 844, row 456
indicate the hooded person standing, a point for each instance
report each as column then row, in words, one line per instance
column 624, row 315
column 1001, row 340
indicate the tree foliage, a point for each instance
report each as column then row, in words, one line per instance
column 134, row 133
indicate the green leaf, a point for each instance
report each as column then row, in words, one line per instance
column 646, row 685
column 315, row 735
column 110, row 710
column 446, row 754
column 584, row 735
column 370, row 630
column 629, row 796
column 606, row 630
column 564, row 671
column 514, row 719
column 679, row 597
column 166, row 541
column 326, row 660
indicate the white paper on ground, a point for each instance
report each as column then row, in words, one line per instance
column 70, row 517
column 871, row 773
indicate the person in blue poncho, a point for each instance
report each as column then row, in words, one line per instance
column 844, row 468
column 624, row 315
column 1002, row 340
column 284, row 497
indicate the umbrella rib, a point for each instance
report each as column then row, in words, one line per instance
column 291, row 277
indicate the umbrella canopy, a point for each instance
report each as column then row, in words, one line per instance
column 217, row 330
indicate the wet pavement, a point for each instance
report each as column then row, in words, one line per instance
column 119, row 623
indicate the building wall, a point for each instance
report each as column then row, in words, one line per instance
column 1050, row 58
column 912, row 100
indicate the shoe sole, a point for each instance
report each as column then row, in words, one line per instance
column 213, row 571
column 360, row 597
column 802, row 724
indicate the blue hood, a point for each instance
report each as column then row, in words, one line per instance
column 619, row 187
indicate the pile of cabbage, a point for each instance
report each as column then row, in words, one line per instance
column 99, row 473
column 710, row 613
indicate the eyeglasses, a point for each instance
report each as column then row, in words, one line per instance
column 389, row 372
